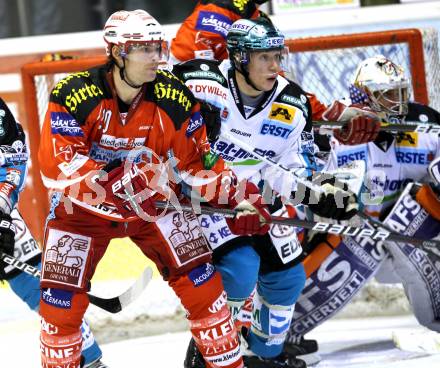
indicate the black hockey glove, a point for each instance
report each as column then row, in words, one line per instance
column 211, row 117
column 335, row 201
column 7, row 242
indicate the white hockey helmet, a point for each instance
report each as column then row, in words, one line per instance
column 384, row 84
column 129, row 28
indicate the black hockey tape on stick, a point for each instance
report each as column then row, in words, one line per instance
column 112, row 305
column 327, row 127
column 379, row 233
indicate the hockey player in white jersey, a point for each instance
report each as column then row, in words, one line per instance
column 265, row 111
column 16, row 240
column 393, row 161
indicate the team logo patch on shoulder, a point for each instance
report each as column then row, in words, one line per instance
column 63, row 123
column 204, row 74
column 213, row 22
column 282, row 113
column 195, row 122
column 298, row 102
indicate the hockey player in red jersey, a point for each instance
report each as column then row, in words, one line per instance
column 106, row 132
column 202, row 34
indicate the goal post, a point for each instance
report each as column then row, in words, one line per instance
column 321, row 65
column 38, row 79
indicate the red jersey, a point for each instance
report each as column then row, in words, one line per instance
column 84, row 130
column 203, row 34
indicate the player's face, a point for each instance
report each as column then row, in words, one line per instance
column 393, row 100
column 264, row 67
column 142, row 61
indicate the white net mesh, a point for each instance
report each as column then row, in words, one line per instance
column 44, row 84
column 328, row 73
column 432, row 66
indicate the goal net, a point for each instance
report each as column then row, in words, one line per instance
column 321, row 65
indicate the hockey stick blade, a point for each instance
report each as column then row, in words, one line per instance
column 117, row 303
column 321, row 227
column 113, row 305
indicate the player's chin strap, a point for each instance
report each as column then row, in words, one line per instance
column 241, row 67
column 112, row 305
column 123, row 76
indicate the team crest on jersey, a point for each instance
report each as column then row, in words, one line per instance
column 414, row 156
column 408, row 139
column 283, row 113
column 276, row 129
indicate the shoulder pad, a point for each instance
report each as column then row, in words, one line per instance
column 244, row 8
column 81, row 92
column 172, row 96
column 422, row 113
column 293, row 95
column 200, row 69
column 10, row 130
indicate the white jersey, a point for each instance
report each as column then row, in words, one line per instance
column 279, row 128
column 391, row 164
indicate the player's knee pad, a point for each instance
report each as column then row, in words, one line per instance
column 90, row 348
column 239, row 270
column 60, row 350
column 27, row 288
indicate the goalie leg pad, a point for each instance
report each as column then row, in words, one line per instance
column 273, row 308
column 210, row 320
column 418, row 270
column 338, row 279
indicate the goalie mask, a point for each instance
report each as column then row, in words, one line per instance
column 382, row 85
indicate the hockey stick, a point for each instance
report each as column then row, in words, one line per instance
column 112, row 305
column 271, row 162
column 327, row 127
column 427, row 245
column 321, row 227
